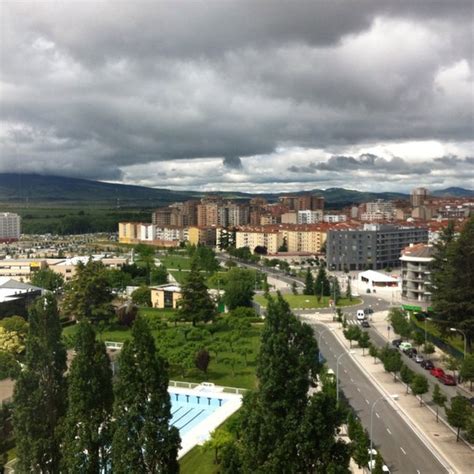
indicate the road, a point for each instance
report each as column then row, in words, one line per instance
column 400, row 447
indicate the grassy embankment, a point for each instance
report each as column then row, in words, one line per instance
column 308, row 301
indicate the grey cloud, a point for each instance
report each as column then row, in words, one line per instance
column 94, row 88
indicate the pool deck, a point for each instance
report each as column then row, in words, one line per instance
column 200, row 433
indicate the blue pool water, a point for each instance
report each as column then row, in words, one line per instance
column 189, row 410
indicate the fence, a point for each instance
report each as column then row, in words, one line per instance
column 192, row 385
column 444, row 346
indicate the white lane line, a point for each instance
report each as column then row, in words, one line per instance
column 358, row 389
column 403, row 451
column 389, row 432
column 345, row 371
column 377, row 415
column 367, row 401
column 352, row 380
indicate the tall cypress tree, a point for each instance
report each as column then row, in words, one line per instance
column 195, row 304
column 87, row 427
column 322, row 286
column 143, row 439
column 308, row 283
column 39, row 397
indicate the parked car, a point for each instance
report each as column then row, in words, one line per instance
column 437, row 372
column 360, row 314
column 371, row 466
column 427, row 364
column 404, row 346
column 365, row 324
column 419, row 358
column 412, row 352
column 447, row 379
column 397, row 342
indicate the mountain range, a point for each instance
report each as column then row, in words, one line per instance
column 33, row 188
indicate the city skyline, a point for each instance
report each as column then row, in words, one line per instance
column 237, row 96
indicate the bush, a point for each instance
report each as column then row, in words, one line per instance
column 142, row 296
column 126, row 314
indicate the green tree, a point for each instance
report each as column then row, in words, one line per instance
column 364, row 341
column 239, row 288
column 352, row 333
column 271, row 416
column 399, row 322
column 202, row 360
column 419, row 386
column 87, row 427
column 118, row 279
column 392, row 362
column 374, row 352
column 142, row 296
column 39, row 396
column 406, row 374
column 335, row 290
column 47, row 279
column 418, row 338
column 294, row 288
column 360, row 445
column 439, row 399
column 467, row 369
column 322, row 286
column 145, row 258
column 220, row 439
column 349, row 289
column 428, row 349
column 9, row 366
column 195, row 304
column 143, row 437
column 378, row 465
column 88, row 294
column 452, row 364
column 458, row 413
column 5, row 428
column 205, row 259
column 159, row 275
column 453, row 282
column 309, row 283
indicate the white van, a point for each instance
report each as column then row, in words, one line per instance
column 360, row 314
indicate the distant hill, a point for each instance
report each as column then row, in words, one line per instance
column 454, row 192
column 34, row 188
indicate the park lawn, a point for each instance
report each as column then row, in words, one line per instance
column 156, row 312
column 307, row 301
column 219, row 370
column 179, row 276
column 176, row 262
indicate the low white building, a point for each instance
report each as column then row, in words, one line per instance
column 372, row 279
column 310, row 217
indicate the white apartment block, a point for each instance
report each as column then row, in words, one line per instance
column 10, row 226
column 310, row 217
column 379, row 210
column 333, row 218
column 152, row 232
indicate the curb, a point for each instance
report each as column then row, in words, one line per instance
column 400, row 409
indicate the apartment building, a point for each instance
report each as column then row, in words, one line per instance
column 258, row 237
column 416, row 273
column 129, row 232
column 152, row 234
column 310, row 217
column 10, row 227
column 375, row 246
column 289, row 218
column 309, row 240
column 334, row 218
column 21, row 269
column 379, row 210
column 202, row 235
column 419, row 196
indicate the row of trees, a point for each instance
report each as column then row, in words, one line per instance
column 82, row 422
column 459, row 414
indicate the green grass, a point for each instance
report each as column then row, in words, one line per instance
column 308, row 301
column 431, row 328
column 156, row 312
column 219, row 372
column 200, row 460
column 178, row 276
column 176, row 262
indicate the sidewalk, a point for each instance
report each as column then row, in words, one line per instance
column 439, row 438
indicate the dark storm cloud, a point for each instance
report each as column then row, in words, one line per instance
column 94, row 89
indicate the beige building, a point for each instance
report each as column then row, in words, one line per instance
column 165, row 296
column 289, row 218
column 255, row 237
column 67, row 267
column 304, row 240
column 202, row 236
column 129, row 232
column 21, row 269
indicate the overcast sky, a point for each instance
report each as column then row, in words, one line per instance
column 249, row 96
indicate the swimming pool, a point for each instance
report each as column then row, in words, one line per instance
column 197, row 411
column 189, row 410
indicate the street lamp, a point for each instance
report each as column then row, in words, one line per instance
column 465, row 338
column 337, row 373
column 384, row 397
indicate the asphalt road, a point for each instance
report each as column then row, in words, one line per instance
column 400, row 447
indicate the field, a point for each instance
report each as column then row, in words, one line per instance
column 176, row 262
column 307, row 301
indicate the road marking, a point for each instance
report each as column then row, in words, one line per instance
column 345, row 371
column 403, row 451
column 358, row 389
column 389, row 432
column 367, row 401
column 352, row 380
column 377, row 415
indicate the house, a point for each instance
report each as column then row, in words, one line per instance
column 165, row 296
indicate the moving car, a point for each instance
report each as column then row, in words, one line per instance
column 447, row 379
column 397, row 342
column 437, row 372
column 427, row 364
column 365, row 324
column 360, row 314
